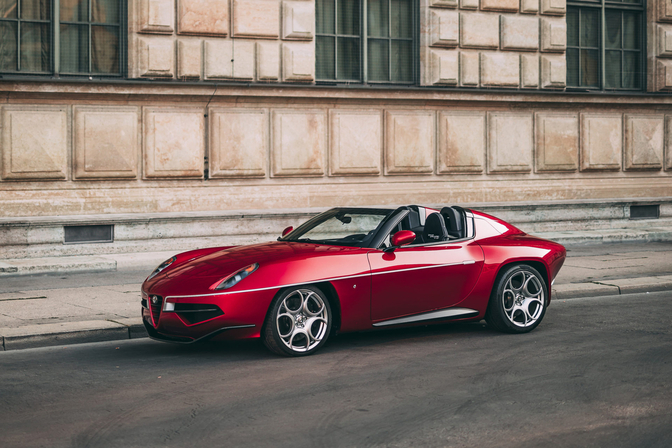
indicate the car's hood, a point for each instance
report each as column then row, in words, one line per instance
column 279, row 263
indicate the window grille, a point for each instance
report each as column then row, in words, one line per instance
column 62, row 37
column 605, row 43
column 370, row 41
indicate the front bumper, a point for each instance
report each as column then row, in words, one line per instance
column 153, row 334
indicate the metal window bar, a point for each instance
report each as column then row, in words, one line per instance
column 364, row 39
column 53, row 39
column 19, row 23
column 603, row 6
column 335, row 37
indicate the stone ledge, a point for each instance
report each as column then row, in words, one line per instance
column 32, row 266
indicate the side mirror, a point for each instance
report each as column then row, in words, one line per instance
column 287, row 230
column 402, row 238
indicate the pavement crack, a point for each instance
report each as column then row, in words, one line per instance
column 24, row 298
column 608, row 284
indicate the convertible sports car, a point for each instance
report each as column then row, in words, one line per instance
column 354, row 269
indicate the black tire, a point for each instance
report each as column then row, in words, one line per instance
column 288, row 329
column 518, row 300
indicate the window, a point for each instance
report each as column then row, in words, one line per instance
column 370, row 41
column 605, row 42
column 61, row 37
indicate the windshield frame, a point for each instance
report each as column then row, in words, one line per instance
column 295, row 235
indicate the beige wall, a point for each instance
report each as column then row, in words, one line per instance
column 493, row 43
column 180, row 146
column 71, row 149
column 244, row 40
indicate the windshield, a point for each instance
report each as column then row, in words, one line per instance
column 346, row 227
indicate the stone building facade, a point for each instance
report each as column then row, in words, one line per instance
column 217, row 106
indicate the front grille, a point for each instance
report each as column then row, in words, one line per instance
column 194, row 313
column 156, row 306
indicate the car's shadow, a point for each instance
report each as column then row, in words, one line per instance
column 228, row 351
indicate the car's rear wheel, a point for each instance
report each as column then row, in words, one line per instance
column 299, row 322
column 518, row 300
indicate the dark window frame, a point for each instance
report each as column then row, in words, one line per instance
column 602, row 6
column 363, row 47
column 55, row 47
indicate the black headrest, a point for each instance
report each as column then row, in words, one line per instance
column 435, row 229
column 453, row 222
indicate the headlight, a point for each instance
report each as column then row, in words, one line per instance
column 161, row 267
column 237, row 276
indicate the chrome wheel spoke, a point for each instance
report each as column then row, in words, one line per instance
column 523, row 298
column 302, row 320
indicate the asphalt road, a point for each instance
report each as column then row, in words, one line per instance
column 597, row 372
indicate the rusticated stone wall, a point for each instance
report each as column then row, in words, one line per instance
column 494, row 43
column 77, row 149
column 244, row 40
column 659, row 36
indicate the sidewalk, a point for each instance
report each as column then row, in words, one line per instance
column 70, row 306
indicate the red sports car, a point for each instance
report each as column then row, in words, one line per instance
column 354, row 269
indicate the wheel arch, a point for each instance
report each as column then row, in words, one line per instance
column 536, row 264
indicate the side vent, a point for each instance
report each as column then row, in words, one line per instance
column 88, row 234
column 645, row 211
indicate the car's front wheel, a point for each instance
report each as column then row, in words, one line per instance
column 299, row 322
column 518, row 300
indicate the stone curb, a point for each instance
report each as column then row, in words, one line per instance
column 32, row 266
column 66, row 333
column 613, row 287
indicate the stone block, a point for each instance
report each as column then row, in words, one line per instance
column 238, row 142
column 500, row 5
column 256, row 18
column 664, row 74
column 174, row 142
column 553, row 72
column 529, row 75
column 298, row 62
column 519, row 32
column 468, row 4
column 35, row 142
column 445, row 31
column 509, row 142
column 601, row 141
column 156, row 16
column 229, row 59
column 554, row 7
column 557, row 142
column 470, row 72
column 410, row 138
column 189, row 59
column 644, row 140
column 461, row 142
column 500, row 69
column 664, row 11
column 203, row 17
column 268, row 61
column 106, row 141
column 664, row 41
column 445, row 67
column 298, row 20
column 553, row 34
column 443, row 3
column 156, row 57
column 356, row 138
column 479, row 30
column 529, row 6
column 299, row 142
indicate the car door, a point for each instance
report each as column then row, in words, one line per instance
column 418, row 279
